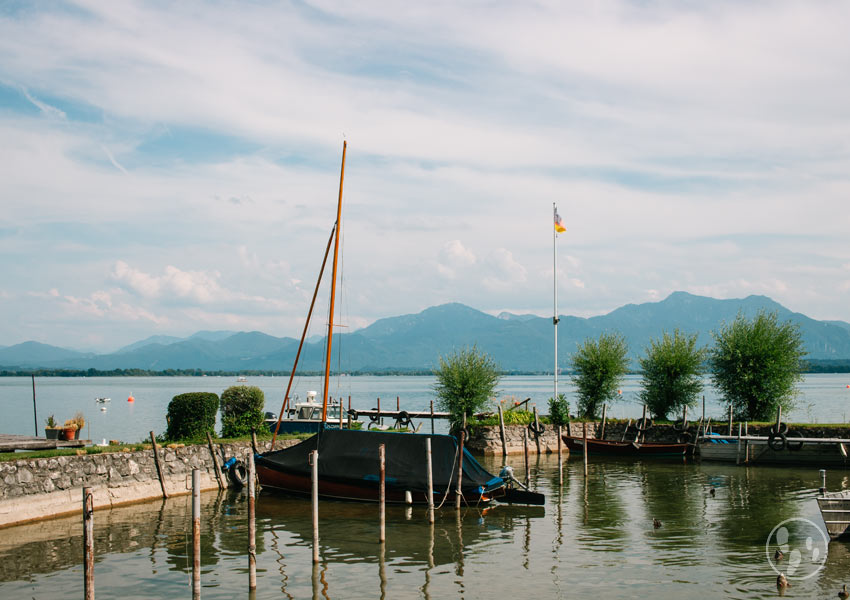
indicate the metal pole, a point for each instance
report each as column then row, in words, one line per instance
column 459, row 472
column 555, row 295
column 196, row 534
column 314, row 476
column 502, row 432
column 430, row 480
column 34, row 413
column 382, row 493
column 252, row 525
column 88, row 542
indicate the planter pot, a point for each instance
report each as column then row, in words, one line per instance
column 51, row 433
column 69, row 433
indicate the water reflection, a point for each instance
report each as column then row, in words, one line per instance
column 595, row 536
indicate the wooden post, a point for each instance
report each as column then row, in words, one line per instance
column 738, row 449
column 398, row 404
column 626, row 430
column 458, row 491
column 525, row 451
column 604, row 419
column 778, row 418
column 730, row 419
column 252, row 526
column 502, row 432
column 432, row 417
column 88, row 543
column 379, row 421
column 560, row 459
column 537, row 428
column 314, row 476
column 158, row 467
column 382, row 493
column 196, row 534
column 430, row 480
column 685, row 418
column 34, row 413
column 584, row 444
column 254, row 441
column 703, row 409
column 219, row 477
column 643, row 421
column 746, row 429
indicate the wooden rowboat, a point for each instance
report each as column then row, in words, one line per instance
column 835, row 510
column 613, row 447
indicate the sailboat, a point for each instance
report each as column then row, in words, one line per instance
column 349, row 461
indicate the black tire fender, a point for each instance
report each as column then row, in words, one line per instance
column 684, row 437
column 237, row 474
column 783, row 429
column 794, row 445
column 643, row 424
column 776, row 442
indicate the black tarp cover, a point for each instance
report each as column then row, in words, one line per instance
column 352, row 456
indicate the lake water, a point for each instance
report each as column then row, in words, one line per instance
column 823, row 398
column 594, row 538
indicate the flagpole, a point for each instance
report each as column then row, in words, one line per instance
column 555, row 294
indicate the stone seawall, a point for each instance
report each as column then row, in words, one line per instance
column 32, row 489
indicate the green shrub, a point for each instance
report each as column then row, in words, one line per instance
column 191, row 416
column 466, row 380
column 672, row 367
column 559, row 410
column 241, row 410
column 598, row 365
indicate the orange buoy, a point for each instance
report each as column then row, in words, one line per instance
column 131, row 399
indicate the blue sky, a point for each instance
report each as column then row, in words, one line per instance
column 167, row 168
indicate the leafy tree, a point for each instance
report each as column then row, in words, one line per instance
column 598, row 366
column 559, row 410
column 671, row 367
column 190, row 416
column 241, row 410
column 757, row 364
column 466, row 380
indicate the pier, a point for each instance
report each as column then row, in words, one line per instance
column 11, row 442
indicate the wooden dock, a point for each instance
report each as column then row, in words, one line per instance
column 10, row 442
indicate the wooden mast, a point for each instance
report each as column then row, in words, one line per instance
column 333, row 289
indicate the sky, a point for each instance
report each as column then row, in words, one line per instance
column 169, row 167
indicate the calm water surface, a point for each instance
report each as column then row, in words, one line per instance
column 593, row 538
column 823, row 397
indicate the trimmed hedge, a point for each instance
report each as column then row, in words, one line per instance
column 191, row 416
column 241, row 410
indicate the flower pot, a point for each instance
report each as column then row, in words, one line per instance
column 51, row 433
column 69, row 433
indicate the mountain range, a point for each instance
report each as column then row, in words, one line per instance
column 414, row 342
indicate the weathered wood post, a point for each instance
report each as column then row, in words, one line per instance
column 432, row 417
column 34, row 411
column 604, row 419
column 252, row 525
column 626, row 430
column 314, row 477
column 219, row 477
column 738, row 449
column 430, row 480
column 584, row 444
column 525, row 452
column 88, row 542
column 196, row 534
column 536, row 431
column 458, row 491
column 703, row 409
column 380, row 421
column 642, row 423
column 158, row 466
column 502, row 432
column 398, row 403
column 382, row 492
column 778, row 418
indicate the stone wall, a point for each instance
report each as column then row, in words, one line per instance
column 32, row 489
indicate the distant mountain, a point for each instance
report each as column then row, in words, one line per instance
column 416, row 341
column 34, row 354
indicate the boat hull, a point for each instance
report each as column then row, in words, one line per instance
column 758, row 452
column 835, row 510
column 615, row 448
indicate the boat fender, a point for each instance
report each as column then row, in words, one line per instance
column 229, row 463
column 793, row 444
column 783, row 429
column 238, row 474
column 643, row 424
column 536, row 429
column 684, row 437
column 374, row 418
column 776, row 442
column 353, row 414
column 680, row 425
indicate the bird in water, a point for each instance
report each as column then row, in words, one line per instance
column 712, row 492
column 777, row 556
column 844, row 594
column 656, row 523
column 782, row 582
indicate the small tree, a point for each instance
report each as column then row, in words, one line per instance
column 671, row 367
column 757, row 364
column 241, row 410
column 191, row 415
column 466, row 380
column 559, row 410
column 598, row 366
